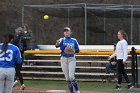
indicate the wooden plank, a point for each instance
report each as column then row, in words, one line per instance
column 80, row 61
column 58, row 55
column 81, row 67
column 42, row 78
column 61, row 73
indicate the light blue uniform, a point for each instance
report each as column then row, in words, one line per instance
column 68, row 61
column 8, row 59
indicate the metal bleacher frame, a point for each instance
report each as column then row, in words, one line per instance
column 82, row 47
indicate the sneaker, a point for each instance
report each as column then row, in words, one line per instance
column 130, row 86
column 77, row 91
column 118, row 88
column 22, row 87
column 15, row 83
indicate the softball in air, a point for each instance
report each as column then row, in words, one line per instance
column 46, row 17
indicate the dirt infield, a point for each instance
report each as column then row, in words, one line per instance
column 35, row 90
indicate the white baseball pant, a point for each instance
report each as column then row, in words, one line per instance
column 68, row 65
column 6, row 79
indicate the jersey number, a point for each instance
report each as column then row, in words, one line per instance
column 8, row 57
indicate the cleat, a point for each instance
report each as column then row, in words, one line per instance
column 15, row 83
column 77, row 91
column 22, row 87
column 118, row 88
column 130, row 86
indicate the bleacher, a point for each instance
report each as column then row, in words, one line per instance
column 89, row 67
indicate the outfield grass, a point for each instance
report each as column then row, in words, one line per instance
column 89, row 86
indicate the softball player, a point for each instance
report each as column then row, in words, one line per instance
column 20, row 42
column 9, row 53
column 68, row 61
column 121, row 53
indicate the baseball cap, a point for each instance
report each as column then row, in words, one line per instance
column 19, row 31
column 67, row 28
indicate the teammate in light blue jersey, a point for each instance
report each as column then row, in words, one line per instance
column 68, row 61
column 9, row 56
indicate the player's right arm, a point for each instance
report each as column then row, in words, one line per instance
column 24, row 44
column 58, row 43
column 112, row 56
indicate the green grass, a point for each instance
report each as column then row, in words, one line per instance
column 89, row 86
column 46, row 84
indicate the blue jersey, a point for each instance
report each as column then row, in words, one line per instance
column 11, row 57
column 20, row 42
column 68, row 41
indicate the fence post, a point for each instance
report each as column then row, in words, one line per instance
column 136, row 57
column 133, row 53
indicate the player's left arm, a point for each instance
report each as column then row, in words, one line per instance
column 18, row 56
column 15, row 41
column 77, row 50
column 125, row 52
